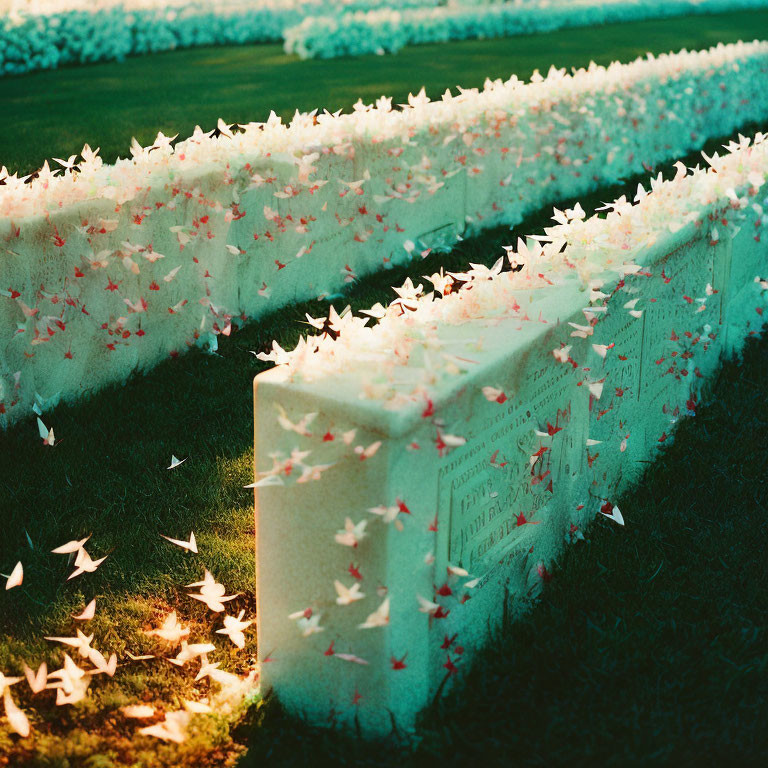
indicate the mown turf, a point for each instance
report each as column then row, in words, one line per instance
column 107, row 476
column 52, row 114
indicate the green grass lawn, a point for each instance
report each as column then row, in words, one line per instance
column 621, row 663
column 52, row 114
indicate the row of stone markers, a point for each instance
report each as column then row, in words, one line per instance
column 109, row 269
column 420, row 466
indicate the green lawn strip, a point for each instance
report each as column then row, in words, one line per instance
column 648, row 647
column 93, row 732
column 52, row 114
column 107, row 476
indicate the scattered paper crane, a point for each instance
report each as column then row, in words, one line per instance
column 614, row 514
column 45, row 434
column 16, row 718
column 173, row 728
column 71, row 546
column 233, row 627
column 379, row 618
column 81, row 642
column 37, row 681
column 88, row 612
column 84, row 564
column 171, row 630
column 190, row 545
column 138, row 711
column 83, row 561
column 211, row 593
column 347, row 595
column 16, row 578
column 352, row 533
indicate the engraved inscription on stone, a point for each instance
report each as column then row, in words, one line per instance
column 495, row 478
column 673, row 326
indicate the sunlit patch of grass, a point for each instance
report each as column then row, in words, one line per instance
column 95, row 728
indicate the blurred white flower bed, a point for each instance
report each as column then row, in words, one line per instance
column 44, row 34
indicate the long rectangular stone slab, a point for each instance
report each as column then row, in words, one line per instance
column 416, row 481
column 109, row 270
